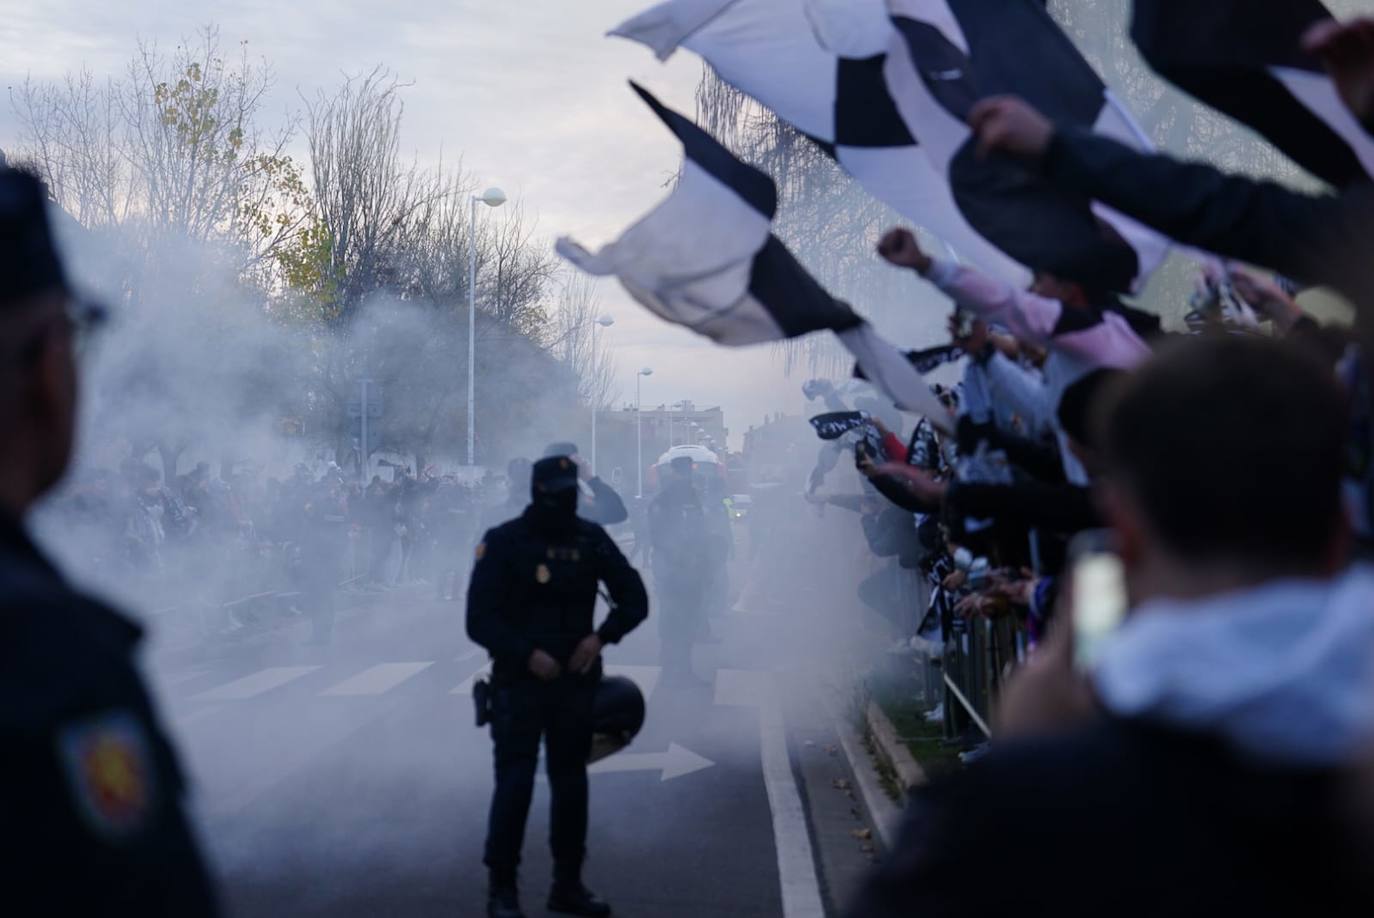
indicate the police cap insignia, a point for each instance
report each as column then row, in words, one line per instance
column 109, row 767
column 542, row 574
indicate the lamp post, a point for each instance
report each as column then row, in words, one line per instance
column 639, row 433
column 604, row 322
column 492, row 197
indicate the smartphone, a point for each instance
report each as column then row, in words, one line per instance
column 1098, row 595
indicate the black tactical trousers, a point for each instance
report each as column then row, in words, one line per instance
column 561, row 713
column 680, row 623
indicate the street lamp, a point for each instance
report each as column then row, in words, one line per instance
column 492, row 197
column 639, row 433
column 604, row 322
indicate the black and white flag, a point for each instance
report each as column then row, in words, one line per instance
column 706, row 258
column 771, row 51
column 836, row 424
column 1244, row 58
column 953, row 53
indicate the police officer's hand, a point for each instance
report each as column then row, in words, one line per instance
column 586, row 655
column 544, row 666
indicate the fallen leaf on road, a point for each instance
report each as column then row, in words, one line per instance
column 840, row 784
column 862, row 834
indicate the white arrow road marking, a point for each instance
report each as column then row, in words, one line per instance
column 376, row 680
column 801, row 892
column 472, row 654
column 674, row 763
column 264, row 680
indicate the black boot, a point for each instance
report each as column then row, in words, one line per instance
column 503, row 899
column 576, row 899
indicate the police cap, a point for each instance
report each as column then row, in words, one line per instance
column 554, row 474
column 29, row 263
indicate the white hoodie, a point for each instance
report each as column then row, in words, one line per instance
column 1284, row 671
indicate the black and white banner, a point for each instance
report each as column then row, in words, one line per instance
column 1244, row 58
column 706, row 258
column 953, row 53
column 771, row 50
column 836, row 424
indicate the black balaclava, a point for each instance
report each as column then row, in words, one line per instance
column 553, row 494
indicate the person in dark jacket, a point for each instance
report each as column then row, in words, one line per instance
column 531, row 604
column 1201, row 764
column 91, row 793
column 1316, row 238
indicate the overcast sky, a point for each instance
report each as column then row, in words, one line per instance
column 527, row 91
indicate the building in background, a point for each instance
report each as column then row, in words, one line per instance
column 687, row 424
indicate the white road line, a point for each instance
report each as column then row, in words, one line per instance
column 375, row 680
column 472, row 654
column 801, row 891
column 194, row 717
column 465, row 687
column 263, row 680
column 646, row 677
column 172, row 681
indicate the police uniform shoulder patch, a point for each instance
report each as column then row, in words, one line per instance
column 481, row 550
column 542, row 574
column 108, row 762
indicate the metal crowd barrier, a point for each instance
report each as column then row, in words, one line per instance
column 979, row 654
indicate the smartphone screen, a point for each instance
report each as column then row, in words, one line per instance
column 1100, row 601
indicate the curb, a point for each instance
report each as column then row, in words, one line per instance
column 885, row 812
column 909, row 772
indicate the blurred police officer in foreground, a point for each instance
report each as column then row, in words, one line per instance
column 90, row 789
column 531, row 604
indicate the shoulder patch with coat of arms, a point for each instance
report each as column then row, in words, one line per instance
column 108, row 761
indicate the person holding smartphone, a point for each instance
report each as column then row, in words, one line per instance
column 1190, row 739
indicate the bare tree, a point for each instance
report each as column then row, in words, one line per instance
column 74, row 132
column 515, row 274
column 578, row 343
column 172, row 150
column 364, row 194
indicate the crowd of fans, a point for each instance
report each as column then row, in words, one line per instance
column 1211, row 753
column 301, row 537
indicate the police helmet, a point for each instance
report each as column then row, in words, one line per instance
column 617, row 715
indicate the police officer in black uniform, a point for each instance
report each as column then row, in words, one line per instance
column 531, row 604
column 90, row 789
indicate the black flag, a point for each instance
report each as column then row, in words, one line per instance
column 1244, row 58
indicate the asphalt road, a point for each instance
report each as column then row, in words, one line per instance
column 349, row 780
